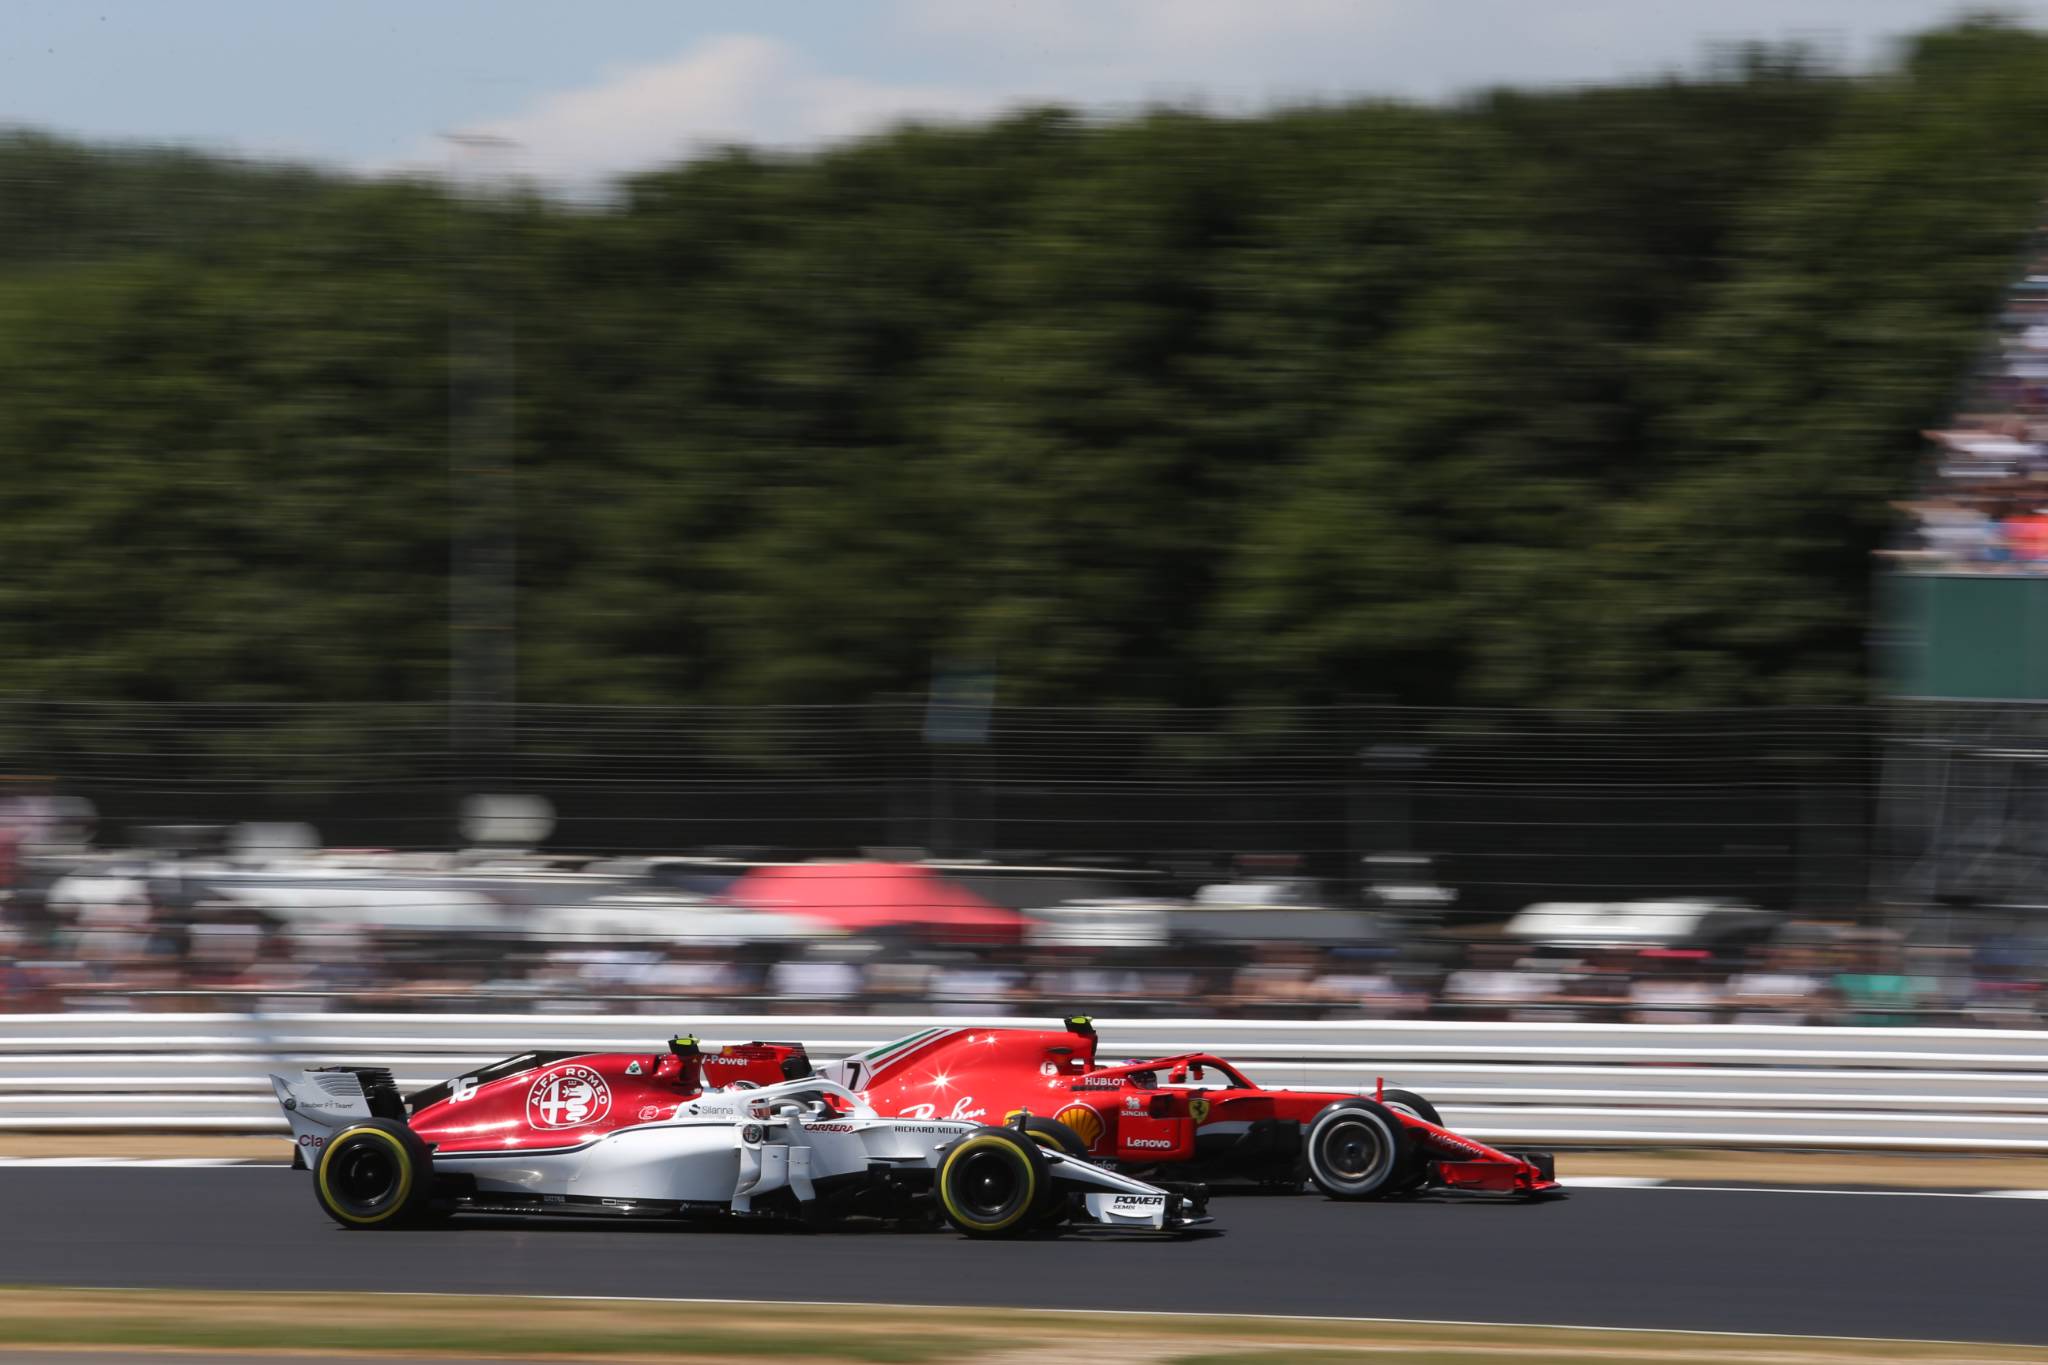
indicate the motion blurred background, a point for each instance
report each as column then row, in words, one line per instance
column 1167, row 531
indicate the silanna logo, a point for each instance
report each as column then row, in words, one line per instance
column 568, row 1097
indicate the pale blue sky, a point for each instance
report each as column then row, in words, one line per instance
column 602, row 87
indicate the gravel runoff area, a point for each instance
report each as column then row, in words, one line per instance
column 1931, row 1170
column 79, row 1326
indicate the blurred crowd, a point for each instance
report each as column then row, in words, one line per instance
column 1988, row 508
column 1807, row 973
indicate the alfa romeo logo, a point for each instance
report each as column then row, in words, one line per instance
column 569, row 1097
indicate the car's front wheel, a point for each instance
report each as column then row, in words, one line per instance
column 375, row 1174
column 1408, row 1102
column 994, row 1182
column 1356, row 1149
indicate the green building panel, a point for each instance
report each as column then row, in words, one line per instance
column 1967, row 636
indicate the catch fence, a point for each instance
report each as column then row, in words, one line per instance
column 1771, row 805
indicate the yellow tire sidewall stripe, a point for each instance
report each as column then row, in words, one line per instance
column 404, row 1174
column 1030, row 1189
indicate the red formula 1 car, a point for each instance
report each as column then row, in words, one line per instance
column 1193, row 1113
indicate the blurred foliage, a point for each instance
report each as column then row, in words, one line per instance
column 1585, row 398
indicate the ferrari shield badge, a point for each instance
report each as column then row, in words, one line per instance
column 1198, row 1110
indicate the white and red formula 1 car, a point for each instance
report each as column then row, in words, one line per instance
column 647, row 1135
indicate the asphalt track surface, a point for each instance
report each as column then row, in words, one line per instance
column 1749, row 1261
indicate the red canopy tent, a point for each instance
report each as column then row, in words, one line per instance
column 854, row 897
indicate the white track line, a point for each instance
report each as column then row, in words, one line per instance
column 146, row 1161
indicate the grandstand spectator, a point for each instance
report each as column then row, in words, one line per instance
column 1499, row 984
column 696, row 970
column 1673, row 986
column 1778, row 987
column 1874, row 987
column 814, row 981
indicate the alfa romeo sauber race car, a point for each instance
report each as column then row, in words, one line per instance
column 1193, row 1113
column 746, row 1130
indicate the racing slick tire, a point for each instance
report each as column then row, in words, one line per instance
column 375, row 1174
column 1356, row 1149
column 994, row 1182
column 1053, row 1134
column 1408, row 1102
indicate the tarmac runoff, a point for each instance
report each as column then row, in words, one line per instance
column 129, row 1327
column 1899, row 1266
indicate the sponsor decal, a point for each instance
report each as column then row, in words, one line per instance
column 828, row 1128
column 633, row 1069
column 1135, row 1103
column 1100, row 1083
column 313, row 1140
column 926, row 1128
column 568, row 1097
column 1138, row 1201
column 1457, row 1144
column 290, row 1103
column 1198, row 1110
column 1048, row 1068
column 649, row 1112
column 464, row 1089
column 752, row 1134
column 931, row 1111
column 1086, row 1123
column 1148, row 1143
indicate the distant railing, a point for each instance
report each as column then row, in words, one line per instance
column 1589, row 1084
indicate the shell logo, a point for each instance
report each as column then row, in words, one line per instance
column 1086, row 1123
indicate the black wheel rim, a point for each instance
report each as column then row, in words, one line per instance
column 987, row 1185
column 1354, row 1151
column 363, row 1177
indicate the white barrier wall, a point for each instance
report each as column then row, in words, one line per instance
column 1723, row 1085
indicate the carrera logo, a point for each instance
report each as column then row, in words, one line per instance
column 828, row 1128
column 1086, row 1123
column 568, row 1097
column 1149, row 1143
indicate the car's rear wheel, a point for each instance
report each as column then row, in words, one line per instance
column 1356, row 1149
column 994, row 1183
column 375, row 1174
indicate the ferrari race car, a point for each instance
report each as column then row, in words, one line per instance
column 1194, row 1113
column 640, row 1135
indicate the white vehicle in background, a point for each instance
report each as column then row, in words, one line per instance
column 693, row 1132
